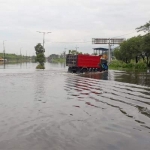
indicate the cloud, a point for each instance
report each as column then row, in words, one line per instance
column 69, row 21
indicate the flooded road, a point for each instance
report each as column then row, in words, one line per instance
column 55, row 110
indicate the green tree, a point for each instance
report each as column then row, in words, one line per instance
column 145, row 42
column 145, row 28
column 74, row 52
column 146, row 48
column 129, row 49
column 40, row 57
column 117, row 53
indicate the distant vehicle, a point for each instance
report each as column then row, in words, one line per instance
column 85, row 63
column 3, row 60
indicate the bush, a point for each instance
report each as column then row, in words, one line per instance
column 140, row 65
column 115, row 64
column 40, row 66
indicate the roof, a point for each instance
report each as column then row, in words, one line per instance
column 100, row 48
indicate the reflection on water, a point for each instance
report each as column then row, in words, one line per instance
column 119, row 109
column 52, row 109
column 134, row 77
column 96, row 75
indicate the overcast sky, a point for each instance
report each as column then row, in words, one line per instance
column 72, row 23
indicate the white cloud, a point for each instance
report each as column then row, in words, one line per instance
column 69, row 21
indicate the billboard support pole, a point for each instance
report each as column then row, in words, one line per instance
column 109, row 53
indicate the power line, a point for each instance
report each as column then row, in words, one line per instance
column 124, row 34
column 72, row 42
column 90, row 41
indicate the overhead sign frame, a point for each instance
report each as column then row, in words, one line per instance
column 107, row 40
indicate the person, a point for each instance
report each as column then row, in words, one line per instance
column 104, row 65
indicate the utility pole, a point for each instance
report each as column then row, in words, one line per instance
column 26, row 56
column 43, row 36
column 65, row 52
column 109, row 57
column 4, row 52
column 20, row 54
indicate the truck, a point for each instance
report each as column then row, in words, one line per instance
column 80, row 63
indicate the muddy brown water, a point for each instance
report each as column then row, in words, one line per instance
column 56, row 110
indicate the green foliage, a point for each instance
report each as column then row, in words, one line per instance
column 40, row 66
column 15, row 58
column 134, row 48
column 140, row 65
column 116, row 64
column 39, row 49
column 145, row 28
column 129, row 49
column 117, row 54
column 40, row 57
column 74, row 52
column 58, row 60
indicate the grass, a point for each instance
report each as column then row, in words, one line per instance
column 59, row 60
column 119, row 65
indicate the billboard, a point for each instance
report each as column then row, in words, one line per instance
column 107, row 41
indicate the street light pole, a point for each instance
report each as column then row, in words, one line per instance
column 43, row 36
column 20, row 50
column 76, row 48
column 65, row 52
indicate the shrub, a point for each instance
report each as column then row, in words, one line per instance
column 115, row 64
column 40, row 66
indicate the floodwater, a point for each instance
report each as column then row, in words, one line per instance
column 55, row 110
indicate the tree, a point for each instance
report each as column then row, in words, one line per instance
column 145, row 28
column 74, row 52
column 40, row 57
column 129, row 49
column 146, row 48
column 117, row 53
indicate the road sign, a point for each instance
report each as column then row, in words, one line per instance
column 107, row 40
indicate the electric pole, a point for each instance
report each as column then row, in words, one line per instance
column 43, row 36
column 4, row 52
column 109, row 53
column 20, row 54
column 26, row 59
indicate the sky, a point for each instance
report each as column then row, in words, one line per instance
column 72, row 23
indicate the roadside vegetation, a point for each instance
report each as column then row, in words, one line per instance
column 13, row 58
column 120, row 65
column 58, row 60
column 135, row 52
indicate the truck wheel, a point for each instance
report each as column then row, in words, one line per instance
column 84, row 69
column 69, row 69
column 78, row 70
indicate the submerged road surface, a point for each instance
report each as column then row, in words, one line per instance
column 56, row 110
